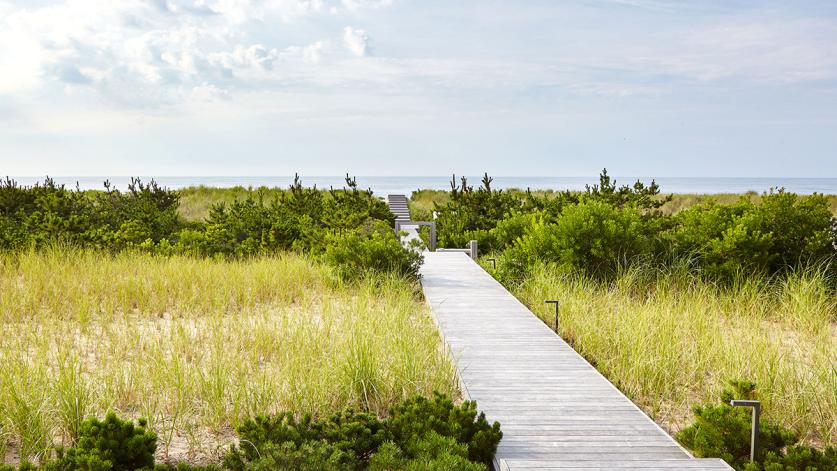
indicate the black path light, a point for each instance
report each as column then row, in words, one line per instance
column 754, row 435
column 555, row 302
column 493, row 262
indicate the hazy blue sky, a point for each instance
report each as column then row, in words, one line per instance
column 418, row 87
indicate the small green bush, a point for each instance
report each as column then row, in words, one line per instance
column 310, row 455
column 591, row 236
column 414, row 419
column 473, row 214
column 432, row 453
column 374, row 248
column 797, row 458
column 723, row 431
column 112, row 444
column 782, row 232
column 346, row 440
column 511, row 229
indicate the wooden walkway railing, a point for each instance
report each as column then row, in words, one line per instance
column 556, row 410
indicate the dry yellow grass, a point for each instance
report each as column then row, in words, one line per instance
column 195, row 345
column 671, row 340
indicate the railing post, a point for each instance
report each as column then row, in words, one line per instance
column 472, row 246
column 433, row 236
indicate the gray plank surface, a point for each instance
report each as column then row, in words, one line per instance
column 398, row 205
column 555, row 409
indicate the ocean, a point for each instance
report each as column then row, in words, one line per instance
column 406, row 185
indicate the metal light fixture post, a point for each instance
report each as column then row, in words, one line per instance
column 754, row 436
column 555, row 302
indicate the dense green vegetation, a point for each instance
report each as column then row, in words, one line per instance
column 423, row 202
column 418, row 434
column 145, row 217
column 609, row 226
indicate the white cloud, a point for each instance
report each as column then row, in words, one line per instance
column 209, row 92
column 125, row 48
column 20, row 62
column 256, row 55
column 355, row 5
column 357, row 41
column 313, row 53
column 152, row 53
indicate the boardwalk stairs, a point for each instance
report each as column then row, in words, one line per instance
column 398, row 206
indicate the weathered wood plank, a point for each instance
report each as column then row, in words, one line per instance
column 556, row 410
column 645, row 465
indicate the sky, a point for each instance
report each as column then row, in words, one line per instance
column 418, row 87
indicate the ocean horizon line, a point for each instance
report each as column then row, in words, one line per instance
column 403, row 184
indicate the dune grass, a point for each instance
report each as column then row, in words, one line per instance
column 196, row 201
column 196, row 345
column 671, row 340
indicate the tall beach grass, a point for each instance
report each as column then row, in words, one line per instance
column 670, row 339
column 196, row 345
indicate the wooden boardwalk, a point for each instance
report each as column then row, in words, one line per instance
column 555, row 409
column 398, row 205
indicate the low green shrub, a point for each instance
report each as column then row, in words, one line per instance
column 782, row 232
column 797, row 458
column 511, row 229
column 723, row 431
column 344, row 441
column 420, row 433
column 300, row 219
column 111, row 444
column 415, row 419
column 373, row 248
column 591, row 236
column 432, row 453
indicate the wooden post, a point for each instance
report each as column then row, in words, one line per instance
column 472, row 246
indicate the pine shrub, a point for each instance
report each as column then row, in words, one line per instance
column 723, row 431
